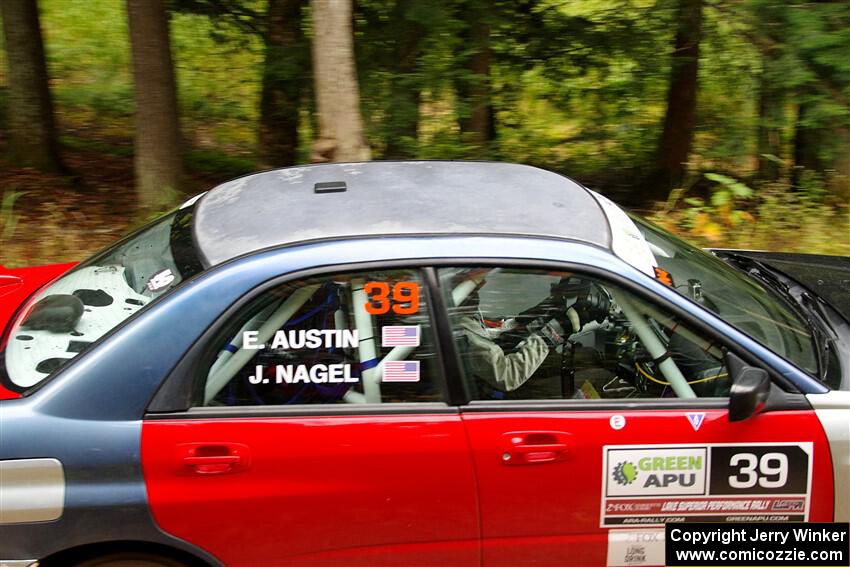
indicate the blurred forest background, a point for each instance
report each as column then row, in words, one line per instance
column 726, row 121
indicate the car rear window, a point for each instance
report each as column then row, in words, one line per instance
column 67, row 317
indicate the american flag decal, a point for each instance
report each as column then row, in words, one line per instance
column 401, row 371
column 401, row 335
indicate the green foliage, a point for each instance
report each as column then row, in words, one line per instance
column 218, row 164
column 774, row 217
column 216, row 67
column 89, row 56
column 730, row 190
column 406, row 49
column 218, row 83
column 811, row 42
column 593, row 76
column 577, row 87
column 99, row 146
column 727, row 106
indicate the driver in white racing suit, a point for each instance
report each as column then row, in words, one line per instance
column 545, row 327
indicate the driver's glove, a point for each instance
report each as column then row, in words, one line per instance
column 594, row 306
column 550, row 330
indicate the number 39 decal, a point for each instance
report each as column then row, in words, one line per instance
column 760, row 469
column 402, row 298
column 772, row 470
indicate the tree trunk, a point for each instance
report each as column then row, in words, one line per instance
column 807, row 145
column 337, row 95
column 678, row 132
column 476, row 116
column 158, row 162
column 33, row 138
column 823, row 149
column 286, row 63
column 402, row 123
column 771, row 119
column 840, row 185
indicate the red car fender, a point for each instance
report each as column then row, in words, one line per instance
column 16, row 286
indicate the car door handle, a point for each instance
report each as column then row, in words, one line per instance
column 222, row 460
column 533, row 447
column 213, row 458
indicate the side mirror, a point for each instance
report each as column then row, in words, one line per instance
column 750, row 388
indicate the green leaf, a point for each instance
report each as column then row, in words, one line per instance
column 719, row 198
column 773, row 158
column 740, row 190
column 718, row 178
column 737, row 188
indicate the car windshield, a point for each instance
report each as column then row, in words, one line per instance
column 96, row 296
column 739, row 300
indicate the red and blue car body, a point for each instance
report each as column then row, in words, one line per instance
column 131, row 465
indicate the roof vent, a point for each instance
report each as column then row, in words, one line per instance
column 330, row 187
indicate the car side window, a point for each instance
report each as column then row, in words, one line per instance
column 531, row 334
column 347, row 338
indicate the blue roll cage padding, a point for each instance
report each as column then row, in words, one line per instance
column 326, row 306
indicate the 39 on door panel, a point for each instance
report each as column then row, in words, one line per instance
column 597, row 417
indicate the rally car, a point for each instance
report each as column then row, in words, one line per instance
column 414, row 363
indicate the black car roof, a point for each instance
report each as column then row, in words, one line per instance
column 286, row 206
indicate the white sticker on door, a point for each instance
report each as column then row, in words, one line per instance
column 635, row 547
column 716, row 482
column 669, row 471
column 696, row 419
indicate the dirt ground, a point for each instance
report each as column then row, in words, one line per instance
column 59, row 218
